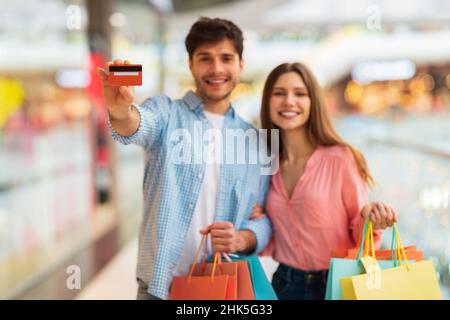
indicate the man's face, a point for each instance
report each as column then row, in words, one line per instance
column 216, row 69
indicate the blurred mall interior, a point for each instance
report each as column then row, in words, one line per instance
column 70, row 197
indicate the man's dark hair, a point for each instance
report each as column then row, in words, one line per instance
column 207, row 30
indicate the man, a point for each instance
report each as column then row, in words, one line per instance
column 182, row 199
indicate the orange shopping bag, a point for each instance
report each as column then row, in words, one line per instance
column 385, row 254
column 206, row 287
column 240, row 269
column 207, row 270
column 200, row 288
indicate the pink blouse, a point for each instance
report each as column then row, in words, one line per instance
column 322, row 214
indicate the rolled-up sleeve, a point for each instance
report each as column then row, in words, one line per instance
column 154, row 114
column 262, row 228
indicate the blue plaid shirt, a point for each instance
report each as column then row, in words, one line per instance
column 171, row 189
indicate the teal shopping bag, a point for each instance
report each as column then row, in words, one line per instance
column 261, row 285
column 343, row 268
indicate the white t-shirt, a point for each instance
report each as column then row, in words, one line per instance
column 204, row 212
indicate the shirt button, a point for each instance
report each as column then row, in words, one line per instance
column 190, row 206
column 199, row 176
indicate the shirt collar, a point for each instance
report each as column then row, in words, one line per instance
column 192, row 101
column 196, row 104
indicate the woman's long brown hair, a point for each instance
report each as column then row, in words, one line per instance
column 320, row 129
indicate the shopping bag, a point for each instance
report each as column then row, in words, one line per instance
column 244, row 279
column 341, row 268
column 408, row 281
column 344, row 268
column 262, row 287
column 213, row 286
column 224, row 268
column 416, row 282
column 200, row 288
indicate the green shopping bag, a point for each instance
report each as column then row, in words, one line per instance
column 343, row 268
column 261, row 285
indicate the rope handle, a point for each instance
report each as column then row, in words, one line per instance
column 217, row 263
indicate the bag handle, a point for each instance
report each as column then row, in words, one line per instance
column 400, row 253
column 393, row 242
column 217, row 260
column 367, row 241
column 197, row 255
column 362, row 239
column 369, row 244
column 395, row 248
column 364, row 242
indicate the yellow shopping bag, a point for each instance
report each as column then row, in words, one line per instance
column 410, row 281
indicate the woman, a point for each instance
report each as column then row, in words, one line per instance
column 317, row 196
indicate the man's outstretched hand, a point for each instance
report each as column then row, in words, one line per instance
column 118, row 99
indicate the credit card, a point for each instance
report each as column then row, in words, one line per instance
column 125, row 75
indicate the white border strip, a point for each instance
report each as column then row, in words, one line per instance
column 125, row 73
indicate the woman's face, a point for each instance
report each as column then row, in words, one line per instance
column 289, row 102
